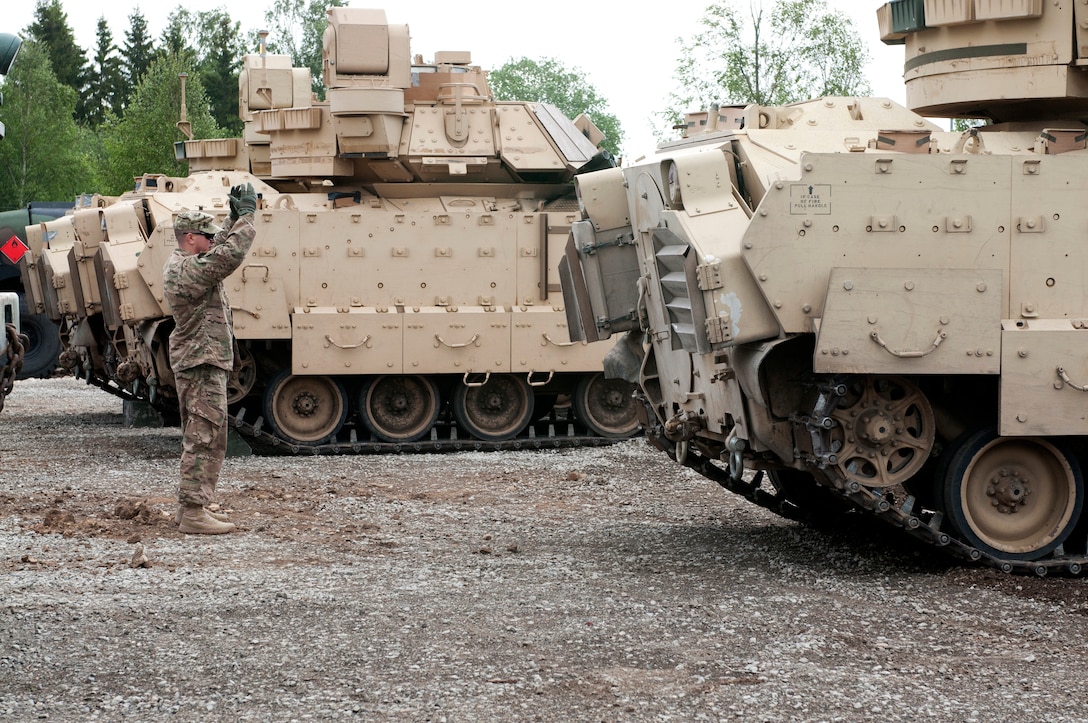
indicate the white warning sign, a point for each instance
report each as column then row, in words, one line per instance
column 810, row 199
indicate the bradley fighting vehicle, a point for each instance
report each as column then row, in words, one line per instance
column 838, row 304
column 403, row 285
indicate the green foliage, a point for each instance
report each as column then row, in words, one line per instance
column 105, row 89
column 50, row 27
column 961, row 125
column 220, row 42
column 142, row 141
column 41, row 156
column 793, row 51
column 137, row 55
column 177, row 37
column 296, row 28
column 549, row 81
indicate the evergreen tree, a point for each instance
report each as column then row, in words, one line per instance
column 137, row 54
column 221, row 49
column 177, row 37
column 50, row 27
column 142, row 141
column 104, row 91
column 41, row 156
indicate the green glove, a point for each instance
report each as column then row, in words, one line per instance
column 247, row 200
column 235, row 197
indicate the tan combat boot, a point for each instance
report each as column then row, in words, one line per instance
column 195, row 520
column 217, row 515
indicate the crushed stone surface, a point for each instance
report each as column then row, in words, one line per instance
column 603, row 584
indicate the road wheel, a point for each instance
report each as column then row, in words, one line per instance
column 496, row 410
column 399, row 408
column 1013, row 497
column 305, row 409
column 606, row 406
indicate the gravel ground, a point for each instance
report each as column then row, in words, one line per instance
column 598, row 585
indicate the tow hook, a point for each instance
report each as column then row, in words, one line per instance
column 681, row 429
column 736, row 447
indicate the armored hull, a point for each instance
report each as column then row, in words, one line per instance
column 403, row 283
column 839, row 304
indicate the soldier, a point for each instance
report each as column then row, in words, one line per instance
column 202, row 349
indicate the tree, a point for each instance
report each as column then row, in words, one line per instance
column 138, row 52
column 177, row 37
column 50, row 27
column 549, row 81
column 796, row 50
column 40, row 157
column 143, row 140
column 295, row 29
column 220, row 41
column 104, row 91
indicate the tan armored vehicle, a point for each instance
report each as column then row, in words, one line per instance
column 403, row 284
column 863, row 306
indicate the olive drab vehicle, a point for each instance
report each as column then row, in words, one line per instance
column 837, row 305
column 402, row 291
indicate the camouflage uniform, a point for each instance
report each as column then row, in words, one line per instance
column 202, row 347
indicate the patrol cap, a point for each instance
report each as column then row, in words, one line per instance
column 196, row 222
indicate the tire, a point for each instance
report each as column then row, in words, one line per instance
column 41, row 355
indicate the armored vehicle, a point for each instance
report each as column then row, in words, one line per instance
column 403, row 285
column 837, row 302
column 43, row 337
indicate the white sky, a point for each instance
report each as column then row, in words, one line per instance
column 627, row 54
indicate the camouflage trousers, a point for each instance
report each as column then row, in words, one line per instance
column 202, row 399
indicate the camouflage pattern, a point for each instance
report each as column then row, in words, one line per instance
column 197, row 222
column 193, row 284
column 202, row 396
column 202, row 349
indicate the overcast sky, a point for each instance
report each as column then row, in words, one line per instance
column 627, row 54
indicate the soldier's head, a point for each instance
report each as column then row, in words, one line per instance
column 194, row 231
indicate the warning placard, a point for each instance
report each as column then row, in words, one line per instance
column 810, row 199
column 13, row 249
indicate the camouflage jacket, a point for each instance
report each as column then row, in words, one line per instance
column 193, row 284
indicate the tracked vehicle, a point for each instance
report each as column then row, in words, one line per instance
column 402, row 291
column 839, row 303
